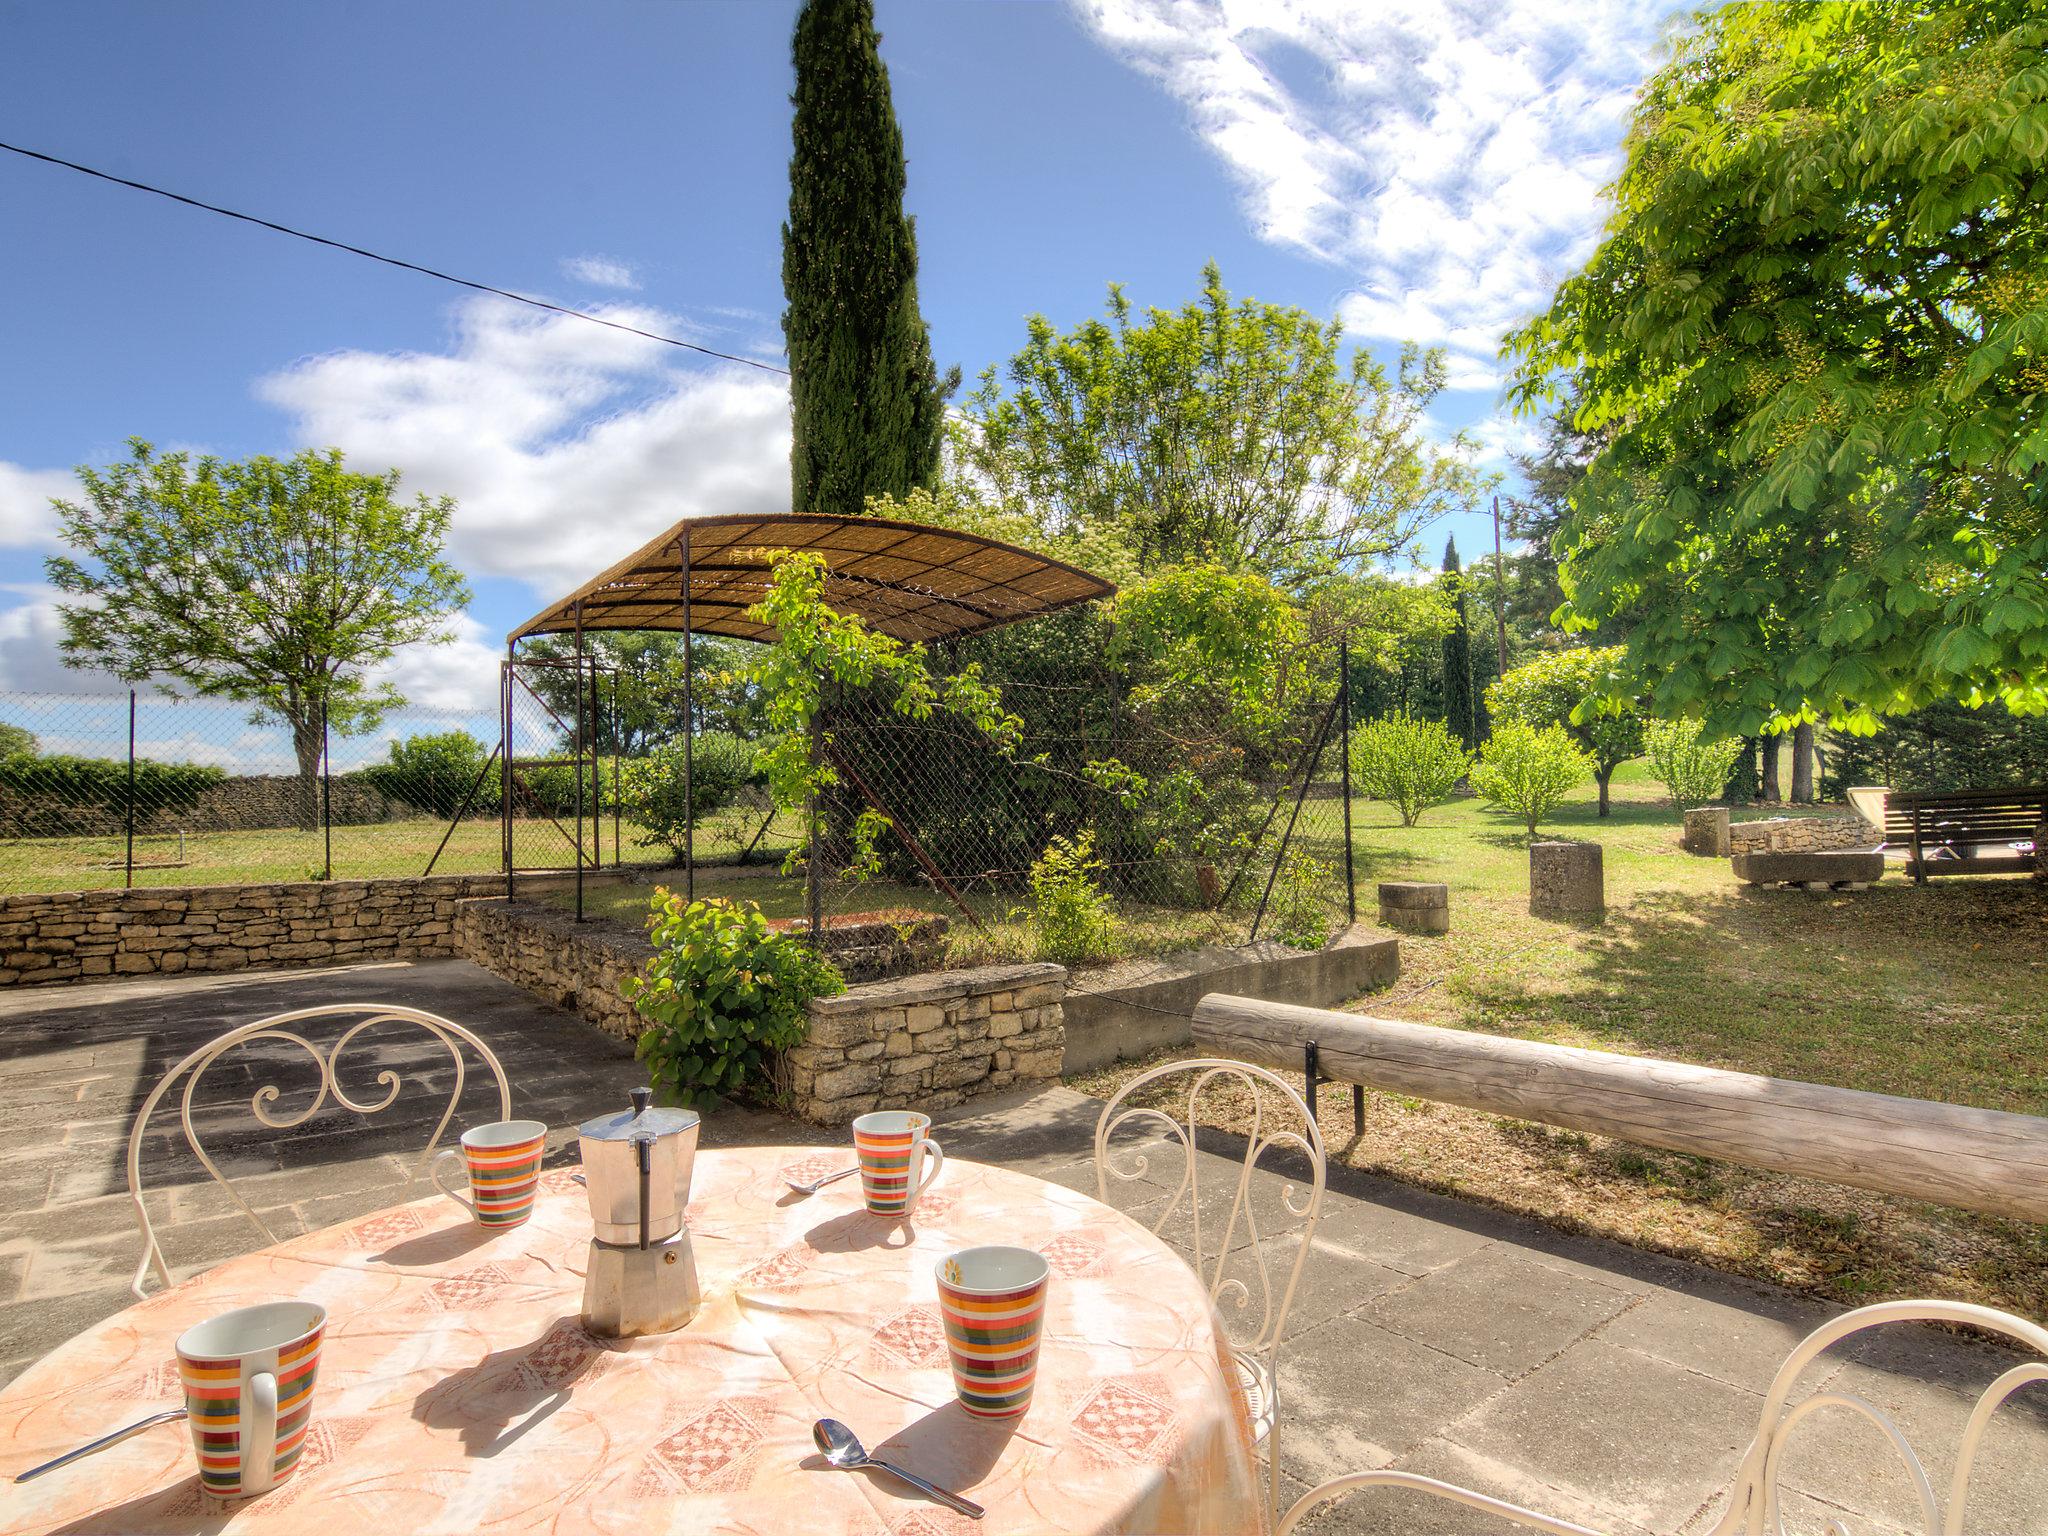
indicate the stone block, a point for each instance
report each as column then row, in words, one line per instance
column 1415, row 906
column 1824, row 870
column 847, row 1081
column 867, row 1051
column 898, row 1044
column 1567, row 880
column 1706, row 832
column 923, row 1017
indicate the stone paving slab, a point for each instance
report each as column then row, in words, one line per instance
column 1593, row 1381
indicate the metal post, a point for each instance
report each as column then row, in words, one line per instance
column 505, row 766
column 618, row 736
column 811, row 854
column 1311, row 1076
column 1350, row 876
column 1500, row 591
column 689, row 735
column 128, row 882
column 326, row 795
column 579, row 759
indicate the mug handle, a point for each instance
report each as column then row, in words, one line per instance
column 259, row 1433
column 934, row 1160
column 434, row 1173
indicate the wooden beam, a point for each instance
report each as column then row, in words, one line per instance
column 1978, row 1159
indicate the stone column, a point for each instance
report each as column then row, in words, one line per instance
column 1415, row 906
column 1706, row 832
column 1567, row 880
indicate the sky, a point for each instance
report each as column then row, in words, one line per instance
column 1423, row 171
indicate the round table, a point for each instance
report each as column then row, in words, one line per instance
column 458, row 1392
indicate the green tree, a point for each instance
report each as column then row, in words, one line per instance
column 433, row 772
column 866, row 408
column 15, row 741
column 1529, row 771
column 1410, row 763
column 1575, row 690
column 1693, row 768
column 1813, row 346
column 1458, row 709
column 275, row 582
column 1226, row 431
column 1549, row 477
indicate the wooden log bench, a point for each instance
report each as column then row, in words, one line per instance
column 1975, row 1159
column 1964, row 831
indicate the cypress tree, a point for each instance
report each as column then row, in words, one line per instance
column 1458, row 713
column 865, row 401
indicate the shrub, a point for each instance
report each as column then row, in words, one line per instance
column 1300, row 917
column 1530, row 771
column 1071, row 920
column 103, row 781
column 16, row 742
column 1557, row 687
column 433, row 772
column 651, row 787
column 721, row 992
column 1410, row 763
column 1695, row 772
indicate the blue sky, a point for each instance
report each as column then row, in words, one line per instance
column 1424, row 170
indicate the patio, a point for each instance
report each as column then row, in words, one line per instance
column 1588, row 1379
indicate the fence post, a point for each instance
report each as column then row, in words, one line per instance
column 689, row 737
column 128, row 879
column 505, row 763
column 1350, row 877
column 326, row 796
column 579, row 759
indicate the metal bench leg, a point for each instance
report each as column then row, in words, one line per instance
column 1310, row 1076
column 1358, row 1108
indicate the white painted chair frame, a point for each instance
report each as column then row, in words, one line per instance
column 282, row 1027
column 1258, row 1359
column 1753, row 1505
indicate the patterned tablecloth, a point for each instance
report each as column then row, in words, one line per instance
column 459, row 1393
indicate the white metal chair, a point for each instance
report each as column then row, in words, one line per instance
column 1754, row 1503
column 1256, row 1356
column 284, row 1027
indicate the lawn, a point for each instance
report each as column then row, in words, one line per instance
column 1937, row 992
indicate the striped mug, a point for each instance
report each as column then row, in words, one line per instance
column 503, row 1159
column 893, row 1148
column 992, row 1301
column 248, row 1377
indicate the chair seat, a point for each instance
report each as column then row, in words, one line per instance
column 1261, row 1393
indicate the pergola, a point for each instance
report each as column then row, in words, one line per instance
column 911, row 581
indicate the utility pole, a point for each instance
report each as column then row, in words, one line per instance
column 1500, row 591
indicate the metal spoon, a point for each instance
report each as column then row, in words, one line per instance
column 817, row 1184
column 169, row 1416
column 843, row 1449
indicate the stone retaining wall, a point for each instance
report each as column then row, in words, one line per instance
column 577, row 966
column 76, row 935
column 1803, row 834
column 928, row 1042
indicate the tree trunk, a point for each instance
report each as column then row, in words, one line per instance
column 306, row 744
column 1802, row 765
column 1770, row 793
column 1600, row 777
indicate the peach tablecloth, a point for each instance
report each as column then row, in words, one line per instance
column 458, row 1392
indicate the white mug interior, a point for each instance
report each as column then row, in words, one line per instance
column 251, row 1330
column 893, row 1122
column 993, row 1269
column 502, row 1133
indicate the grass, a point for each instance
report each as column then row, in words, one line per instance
column 1936, row 992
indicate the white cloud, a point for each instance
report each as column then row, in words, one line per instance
column 600, row 271
column 1450, row 154
column 26, row 521
column 565, row 444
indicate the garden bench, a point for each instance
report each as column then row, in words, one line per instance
column 1965, row 831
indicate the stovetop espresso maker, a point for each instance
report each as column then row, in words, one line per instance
column 642, row 1274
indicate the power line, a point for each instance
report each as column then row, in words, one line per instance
column 389, row 261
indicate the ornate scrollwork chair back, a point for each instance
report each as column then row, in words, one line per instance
column 286, row 1029
column 1248, row 1276
column 1756, row 1505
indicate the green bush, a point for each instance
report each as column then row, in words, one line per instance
column 433, row 772
column 16, row 742
column 651, row 787
column 1409, row 762
column 1529, row 772
column 1071, row 920
column 1693, row 771
column 721, row 992
column 1300, row 916
column 103, row 781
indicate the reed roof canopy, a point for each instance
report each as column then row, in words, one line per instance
column 907, row 580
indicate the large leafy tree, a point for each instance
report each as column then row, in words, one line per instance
column 276, row 582
column 1227, row 431
column 1813, row 346
column 1575, row 690
column 866, row 405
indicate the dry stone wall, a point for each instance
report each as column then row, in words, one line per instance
column 1803, row 834
column 82, row 935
